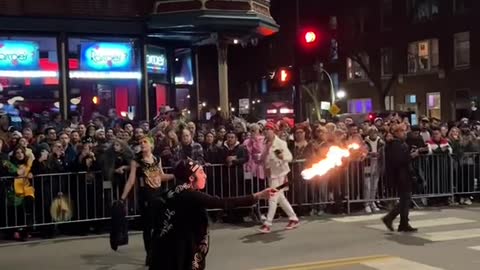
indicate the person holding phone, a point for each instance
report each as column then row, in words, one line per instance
column 276, row 157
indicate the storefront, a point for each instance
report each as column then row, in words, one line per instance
column 97, row 73
column 105, row 73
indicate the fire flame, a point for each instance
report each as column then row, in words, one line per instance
column 333, row 159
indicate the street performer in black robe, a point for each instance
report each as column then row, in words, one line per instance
column 399, row 170
column 180, row 237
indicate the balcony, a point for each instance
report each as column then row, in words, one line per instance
column 196, row 20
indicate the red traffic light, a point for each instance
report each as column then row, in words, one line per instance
column 284, row 76
column 310, row 37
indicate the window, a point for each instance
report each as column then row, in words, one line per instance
column 462, row 6
column 433, row 105
column 423, row 56
column 387, row 14
column 360, row 105
column 105, row 73
column 389, row 104
column 423, row 10
column 354, row 70
column 462, row 49
column 387, row 61
column 410, row 99
column 29, row 88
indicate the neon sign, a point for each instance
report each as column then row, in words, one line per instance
column 19, row 55
column 105, row 56
column 156, row 63
column 156, row 60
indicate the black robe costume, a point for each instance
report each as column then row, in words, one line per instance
column 181, row 239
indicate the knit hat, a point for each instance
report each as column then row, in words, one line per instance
column 272, row 126
column 184, row 169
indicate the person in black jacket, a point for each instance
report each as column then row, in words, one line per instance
column 398, row 166
column 181, row 239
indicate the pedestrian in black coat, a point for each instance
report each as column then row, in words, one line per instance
column 399, row 169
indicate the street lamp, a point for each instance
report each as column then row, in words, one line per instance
column 332, row 88
column 341, row 94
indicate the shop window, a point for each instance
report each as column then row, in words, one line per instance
column 29, row 87
column 360, row 105
column 433, row 105
column 389, row 103
column 183, row 67
column 423, row 56
column 104, row 74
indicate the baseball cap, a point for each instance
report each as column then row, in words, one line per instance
column 184, row 169
column 271, row 125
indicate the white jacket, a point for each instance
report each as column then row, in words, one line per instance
column 276, row 166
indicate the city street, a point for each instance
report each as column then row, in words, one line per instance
column 448, row 239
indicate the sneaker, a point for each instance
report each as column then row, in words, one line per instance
column 320, row 213
column 462, row 200
column 468, row 201
column 375, row 207
column 292, row 224
column 368, row 210
column 265, row 229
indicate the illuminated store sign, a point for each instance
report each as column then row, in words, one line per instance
column 105, row 56
column 19, row 55
column 156, row 60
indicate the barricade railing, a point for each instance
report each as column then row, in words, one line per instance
column 87, row 196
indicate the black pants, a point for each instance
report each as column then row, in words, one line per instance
column 147, row 226
column 402, row 208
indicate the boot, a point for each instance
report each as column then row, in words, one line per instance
column 407, row 228
column 388, row 223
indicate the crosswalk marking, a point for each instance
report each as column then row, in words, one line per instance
column 450, row 235
column 370, row 217
column 429, row 223
column 475, row 248
column 398, row 264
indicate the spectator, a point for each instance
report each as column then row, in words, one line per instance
column 188, row 149
column 373, row 169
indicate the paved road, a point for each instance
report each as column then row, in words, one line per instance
column 449, row 239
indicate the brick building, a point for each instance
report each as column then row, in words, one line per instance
column 427, row 46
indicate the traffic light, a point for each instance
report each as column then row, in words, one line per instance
column 284, row 76
column 310, row 38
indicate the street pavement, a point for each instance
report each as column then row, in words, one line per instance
column 449, row 239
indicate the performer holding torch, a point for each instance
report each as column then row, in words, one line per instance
column 398, row 166
column 276, row 157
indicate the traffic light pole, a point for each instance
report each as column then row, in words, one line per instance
column 297, row 90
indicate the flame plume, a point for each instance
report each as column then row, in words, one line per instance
column 334, row 158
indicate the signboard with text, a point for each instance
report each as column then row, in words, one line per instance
column 106, row 56
column 156, row 60
column 19, row 55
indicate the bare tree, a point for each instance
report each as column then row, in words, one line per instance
column 355, row 44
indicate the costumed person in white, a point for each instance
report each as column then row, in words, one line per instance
column 276, row 157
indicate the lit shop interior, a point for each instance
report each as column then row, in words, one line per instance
column 103, row 73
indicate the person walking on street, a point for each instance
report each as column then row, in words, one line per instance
column 399, row 168
column 276, row 157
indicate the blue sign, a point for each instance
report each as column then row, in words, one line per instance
column 19, row 55
column 103, row 56
column 156, row 60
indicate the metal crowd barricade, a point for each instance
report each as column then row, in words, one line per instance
column 87, row 196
